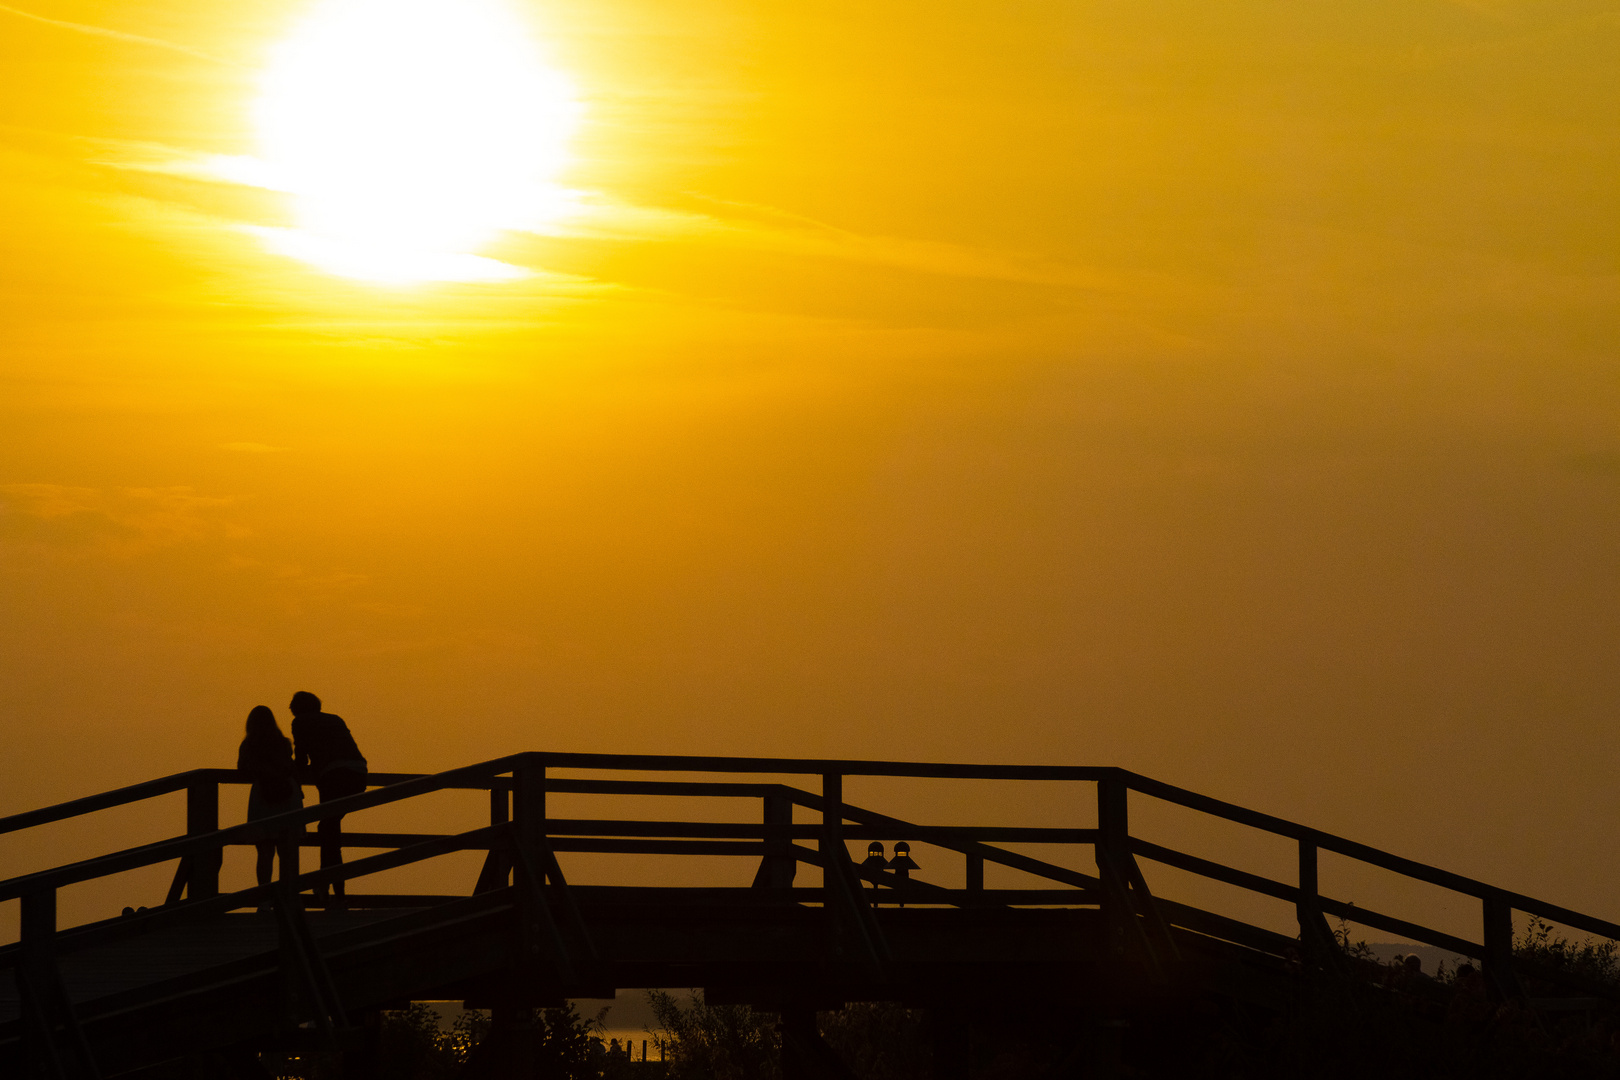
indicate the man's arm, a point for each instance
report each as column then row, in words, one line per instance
column 300, row 748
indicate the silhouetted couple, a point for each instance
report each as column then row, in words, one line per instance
column 321, row 752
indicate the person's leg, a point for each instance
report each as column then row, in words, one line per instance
column 266, row 867
column 330, row 831
column 337, row 784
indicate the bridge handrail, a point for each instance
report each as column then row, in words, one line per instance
column 500, row 774
column 152, row 789
column 111, row 929
column 967, row 839
column 822, row 766
column 251, row 832
column 106, row 800
column 1294, row 831
column 1368, row 854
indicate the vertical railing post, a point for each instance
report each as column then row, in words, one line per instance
column 500, row 812
column 1119, row 918
column 202, row 817
column 778, row 867
column 1128, row 904
column 37, row 931
column 37, row 924
column 832, row 830
column 832, row 805
column 288, row 852
column 536, row 927
column 1498, row 915
column 975, row 872
column 1315, row 937
column 1113, row 846
column 529, row 805
column 841, row 888
column 497, row 867
column 500, row 805
column 53, row 1041
column 1305, row 904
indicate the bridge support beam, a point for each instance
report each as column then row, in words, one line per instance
column 951, row 1044
column 1103, row 1048
column 845, row 901
column 360, row 1061
column 54, row 1043
column 308, row 991
column 805, row 1054
column 507, row 1051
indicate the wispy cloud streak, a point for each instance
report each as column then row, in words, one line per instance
column 702, row 218
column 117, row 521
column 767, row 228
column 115, row 35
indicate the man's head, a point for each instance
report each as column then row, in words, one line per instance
column 305, row 703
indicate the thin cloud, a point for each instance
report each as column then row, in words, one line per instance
column 599, row 216
column 119, row 521
column 47, row 501
column 164, row 160
column 767, row 228
column 115, row 35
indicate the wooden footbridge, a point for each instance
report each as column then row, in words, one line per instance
column 802, row 926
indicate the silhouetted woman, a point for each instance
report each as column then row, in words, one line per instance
column 267, row 758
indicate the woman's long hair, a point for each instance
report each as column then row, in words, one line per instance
column 266, row 757
column 262, row 726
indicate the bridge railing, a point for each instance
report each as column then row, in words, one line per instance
column 1496, row 905
column 520, row 829
column 519, row 844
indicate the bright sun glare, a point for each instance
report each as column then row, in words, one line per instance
column 410, row 134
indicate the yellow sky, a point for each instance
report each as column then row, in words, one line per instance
column 1226, row 391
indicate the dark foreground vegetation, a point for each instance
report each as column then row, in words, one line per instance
column 1366, row 1020
column 1374, row 1020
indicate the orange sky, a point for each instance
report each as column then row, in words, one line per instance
column 1228, row 392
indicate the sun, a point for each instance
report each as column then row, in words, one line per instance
column 410, row 134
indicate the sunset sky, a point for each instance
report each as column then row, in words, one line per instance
column 1230, row 392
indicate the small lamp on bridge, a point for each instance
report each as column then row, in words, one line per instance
column 902, row 863
column 874, row 857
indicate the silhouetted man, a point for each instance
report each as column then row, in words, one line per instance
column 326, row 753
